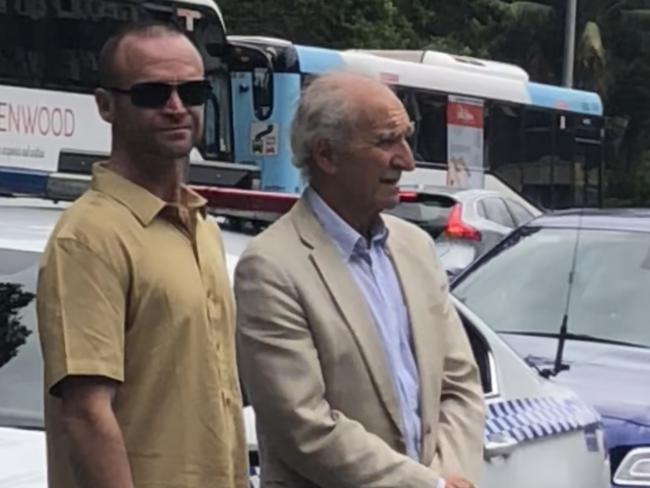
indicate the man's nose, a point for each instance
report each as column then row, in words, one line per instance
column 174, row 102
column 405, row 158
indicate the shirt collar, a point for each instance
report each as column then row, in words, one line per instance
column 346, row 239
column 141, row 202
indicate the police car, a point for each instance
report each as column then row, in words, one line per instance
column 538, row 433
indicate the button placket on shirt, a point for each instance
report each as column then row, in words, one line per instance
column 210, row 298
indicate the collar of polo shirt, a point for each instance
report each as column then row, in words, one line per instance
column 141, row 202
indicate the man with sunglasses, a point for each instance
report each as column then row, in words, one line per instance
column 134, row 305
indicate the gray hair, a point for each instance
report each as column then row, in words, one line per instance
column 323, row 112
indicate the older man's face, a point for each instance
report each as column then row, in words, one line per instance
column 371, row 165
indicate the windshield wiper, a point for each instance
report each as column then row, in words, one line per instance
column 563, row 336
column 575, row 337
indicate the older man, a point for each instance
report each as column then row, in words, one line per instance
column 349, row 347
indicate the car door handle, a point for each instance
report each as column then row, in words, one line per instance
column 502, row 445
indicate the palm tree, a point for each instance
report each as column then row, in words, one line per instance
column 594, row 17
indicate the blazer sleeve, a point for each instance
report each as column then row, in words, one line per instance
column 462, row 408
column 282, row 375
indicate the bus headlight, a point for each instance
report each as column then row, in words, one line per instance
column 634, row 470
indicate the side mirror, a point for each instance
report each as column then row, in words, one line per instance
column 262, row 92
column 247, row 57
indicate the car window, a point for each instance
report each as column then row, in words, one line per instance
column 524, row 287
column 431, row 212
column 21, row 367
column 496, row 211
column 519, row 213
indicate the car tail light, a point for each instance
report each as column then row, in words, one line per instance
column 457, row 229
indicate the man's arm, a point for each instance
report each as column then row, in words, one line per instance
column 282, row 374
column 94, row 438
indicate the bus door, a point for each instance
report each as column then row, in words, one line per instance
column 588, row 162
column 578, row 165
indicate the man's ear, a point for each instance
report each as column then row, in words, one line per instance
column 324, row 156
column 105, row 104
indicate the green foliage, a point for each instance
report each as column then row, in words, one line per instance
column 339, row 24
column 12, row 334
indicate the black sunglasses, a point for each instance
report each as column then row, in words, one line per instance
column 155, row 94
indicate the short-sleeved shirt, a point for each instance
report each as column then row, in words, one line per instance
column 135, row 289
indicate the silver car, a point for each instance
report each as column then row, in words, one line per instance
column 465, row 223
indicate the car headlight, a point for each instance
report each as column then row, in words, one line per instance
column 634, row 470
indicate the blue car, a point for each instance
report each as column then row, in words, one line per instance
column 570, row 293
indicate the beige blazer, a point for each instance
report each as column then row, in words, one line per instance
column 314, row 368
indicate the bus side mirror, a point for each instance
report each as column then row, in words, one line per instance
column 262, row 92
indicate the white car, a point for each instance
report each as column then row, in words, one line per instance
column 538, row 434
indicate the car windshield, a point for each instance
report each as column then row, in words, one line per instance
column 524, row 287
column 21, row 384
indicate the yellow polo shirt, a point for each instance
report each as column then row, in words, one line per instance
column 134, row 289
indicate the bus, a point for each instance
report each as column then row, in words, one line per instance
column 48, row 72
column 478, row 123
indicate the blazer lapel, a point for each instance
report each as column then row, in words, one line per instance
column 408, row 268
column 351, row 303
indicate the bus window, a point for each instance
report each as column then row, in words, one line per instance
column 217, row 138
column 579, row 161
column 428, row 112
column 57, row 47
column 431, row 142
column 503, row 125
column 538, row 179
column 588, row 162
column 564, row 170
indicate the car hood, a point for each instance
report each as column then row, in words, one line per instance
column 613, row 378
column 22, row 458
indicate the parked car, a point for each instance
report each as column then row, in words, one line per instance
column 539, row 434
column 570, row 292
column 466, row 223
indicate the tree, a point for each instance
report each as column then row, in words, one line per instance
column 337, row 24
column 12, row 334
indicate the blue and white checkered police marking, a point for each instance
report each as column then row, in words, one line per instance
column 254, row 477
column 526, row 419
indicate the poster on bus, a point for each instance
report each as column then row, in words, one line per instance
column 465, row 142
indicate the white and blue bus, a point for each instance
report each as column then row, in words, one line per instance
column 510, row 134
column 478, row 123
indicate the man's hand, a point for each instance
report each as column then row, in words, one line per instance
column 457, row 482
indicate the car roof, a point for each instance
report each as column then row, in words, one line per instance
column 629, row 219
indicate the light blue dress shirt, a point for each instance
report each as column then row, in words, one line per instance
column 374, row 272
